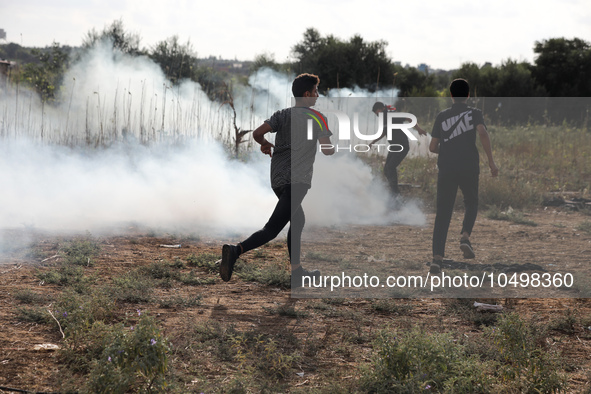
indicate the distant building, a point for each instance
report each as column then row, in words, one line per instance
column 423, row 68
column 2, row 34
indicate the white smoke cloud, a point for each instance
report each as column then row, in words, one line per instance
column 194, row 187
column 180, row 178
column 344, row 191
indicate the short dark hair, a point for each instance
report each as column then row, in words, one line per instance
column 459, row 88
column 304, row 83
column 378, row 106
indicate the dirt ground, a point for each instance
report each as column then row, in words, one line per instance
column 556, row 245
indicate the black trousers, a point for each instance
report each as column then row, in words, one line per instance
column 447, row 189
column 393, row 160
column 288, row 210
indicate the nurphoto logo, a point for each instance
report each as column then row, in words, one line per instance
column 393, row 122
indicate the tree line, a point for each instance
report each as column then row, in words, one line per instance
column 562, row 67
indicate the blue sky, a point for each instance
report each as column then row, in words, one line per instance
column 443, row 34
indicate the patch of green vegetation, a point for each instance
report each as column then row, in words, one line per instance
column 525, row 362
column 178, row 302
column 132, row 287
column 81, row 252
column 27, row 296
column 261, row 354
column 132, row 360
column 33, row 315
column 417, row 361
column 273, row 274
column 209, row 261
column 190, row 279
column 67, row 275
column 514, row 358
column 286, row 310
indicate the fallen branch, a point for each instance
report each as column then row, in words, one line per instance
column 49, row 258
column 58, row 324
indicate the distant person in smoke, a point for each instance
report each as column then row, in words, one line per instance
column 292, row 160
column 454, row 139
column 395, row 156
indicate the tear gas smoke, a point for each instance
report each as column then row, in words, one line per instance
column 160, row 160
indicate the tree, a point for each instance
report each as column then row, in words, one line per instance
column 46, row 75
column 510, row 79
column 176, row 60
column 264, row 60
column 341, row 63
column 563, row 67
column 412, row 82
column 121, row 39
column 515, row 79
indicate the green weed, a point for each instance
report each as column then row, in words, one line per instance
column 416, row 361
column 132, row 287
column 204, row 260
column 27, row 296
column 261, row 353
column 179, row 302
column 525, row 361
column 273, row 274
column 132, row 360
column 286, row 310
column 33, row 315
column 81, row 252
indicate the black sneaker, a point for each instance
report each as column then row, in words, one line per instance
column 298, row 274
column 466, row 247
column 229, row 257
column 435, row 267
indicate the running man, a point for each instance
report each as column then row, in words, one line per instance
column 454, row 139
column 292, row 160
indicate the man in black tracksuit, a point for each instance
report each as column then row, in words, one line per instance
column 454, row 139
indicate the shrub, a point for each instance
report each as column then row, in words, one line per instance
column 81, row 252
column 33, row 315
column 27, row 296
column 67, row 275
column 261, row 353
column 204, row 260
column 132, row 287
column 270, row 274
column 524, row 359
column 133, row 360
column 416, row 361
